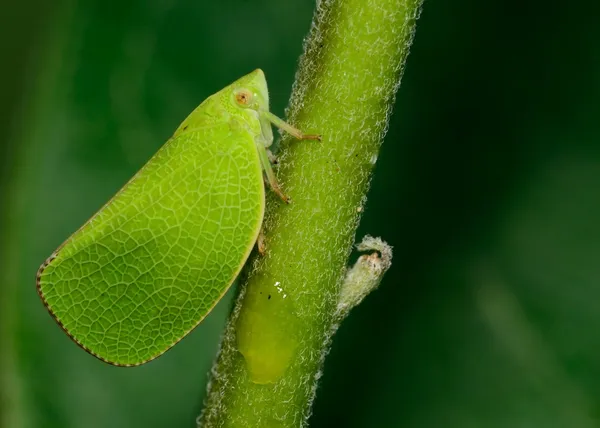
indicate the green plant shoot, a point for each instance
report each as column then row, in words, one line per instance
column 154, row 261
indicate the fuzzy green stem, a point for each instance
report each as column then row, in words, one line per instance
column 279, row 331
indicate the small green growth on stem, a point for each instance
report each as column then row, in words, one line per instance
column 365, row 275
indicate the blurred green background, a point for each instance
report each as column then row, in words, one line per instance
column 488, row 187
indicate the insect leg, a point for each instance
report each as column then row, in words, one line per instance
column 266, row 164
column 260, row 242
column 281, row 124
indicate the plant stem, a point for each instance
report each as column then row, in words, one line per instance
column 279, row 332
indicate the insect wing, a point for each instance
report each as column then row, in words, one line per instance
column 151, row 264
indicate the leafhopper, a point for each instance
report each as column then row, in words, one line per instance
column 147, row 268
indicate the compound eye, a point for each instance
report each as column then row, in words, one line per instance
column 244, row 97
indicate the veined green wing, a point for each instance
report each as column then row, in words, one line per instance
column 151, row 264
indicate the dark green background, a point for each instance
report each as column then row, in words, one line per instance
column 487, row 186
